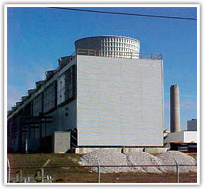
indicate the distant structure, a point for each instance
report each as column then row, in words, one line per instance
column 107, row 94
column 174, row 109
column 192, row 125
column 182, row 140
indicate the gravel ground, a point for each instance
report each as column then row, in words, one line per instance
column 106, row 157
column 114, row 157
column 169, row 158
column 143, row 158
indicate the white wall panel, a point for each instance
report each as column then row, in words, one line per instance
column 190, row 136
column 119, row 102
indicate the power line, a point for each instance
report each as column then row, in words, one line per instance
column 125, row 14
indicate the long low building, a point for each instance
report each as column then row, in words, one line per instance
column 183, row 140
column 182, row 136
column 107, row 96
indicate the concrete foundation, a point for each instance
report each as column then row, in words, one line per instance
column 131, row 150
column 122, row 150
column 87, row 150
column 155, row 150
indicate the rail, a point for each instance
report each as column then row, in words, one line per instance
column 118, row 54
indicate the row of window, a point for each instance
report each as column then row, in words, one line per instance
column 56, row 93
column 38, row 105
column 50, row 97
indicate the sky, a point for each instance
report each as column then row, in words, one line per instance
column 37, row 37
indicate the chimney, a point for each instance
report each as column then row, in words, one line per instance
column 174, row 109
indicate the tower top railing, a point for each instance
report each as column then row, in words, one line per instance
column 118, row 54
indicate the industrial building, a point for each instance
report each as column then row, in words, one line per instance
column 182, row 140
column 107, row 94
column 192, row 125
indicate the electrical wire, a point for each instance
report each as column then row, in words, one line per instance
column 123, row 13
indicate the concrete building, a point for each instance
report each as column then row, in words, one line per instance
column 182, row 136
column 177, row 139
column 185, row 141
column 192, row 125
column 105, row 95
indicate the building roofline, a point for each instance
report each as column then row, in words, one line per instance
column 99, row 36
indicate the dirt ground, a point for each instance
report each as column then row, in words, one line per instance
column 128, row 178
column 58, row 168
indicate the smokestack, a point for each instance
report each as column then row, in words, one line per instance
column 174, row 109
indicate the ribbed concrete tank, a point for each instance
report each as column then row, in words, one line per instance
column 110, row 46
column 174, row 109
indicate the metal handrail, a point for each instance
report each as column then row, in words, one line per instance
column 118, row 54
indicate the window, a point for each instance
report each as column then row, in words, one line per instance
column 38, row 105
column 50, row 97
column 70, row 83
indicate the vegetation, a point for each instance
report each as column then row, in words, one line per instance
column 61, row 172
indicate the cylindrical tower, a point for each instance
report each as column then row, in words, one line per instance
column 174, row 109
column 110, row 46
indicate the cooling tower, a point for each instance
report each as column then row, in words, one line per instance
column 110, row 46
column 174, row 109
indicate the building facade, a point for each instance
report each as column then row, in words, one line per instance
column 102, row 96
column 192, row 125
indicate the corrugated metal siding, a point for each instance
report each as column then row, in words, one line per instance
column 119, row 102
